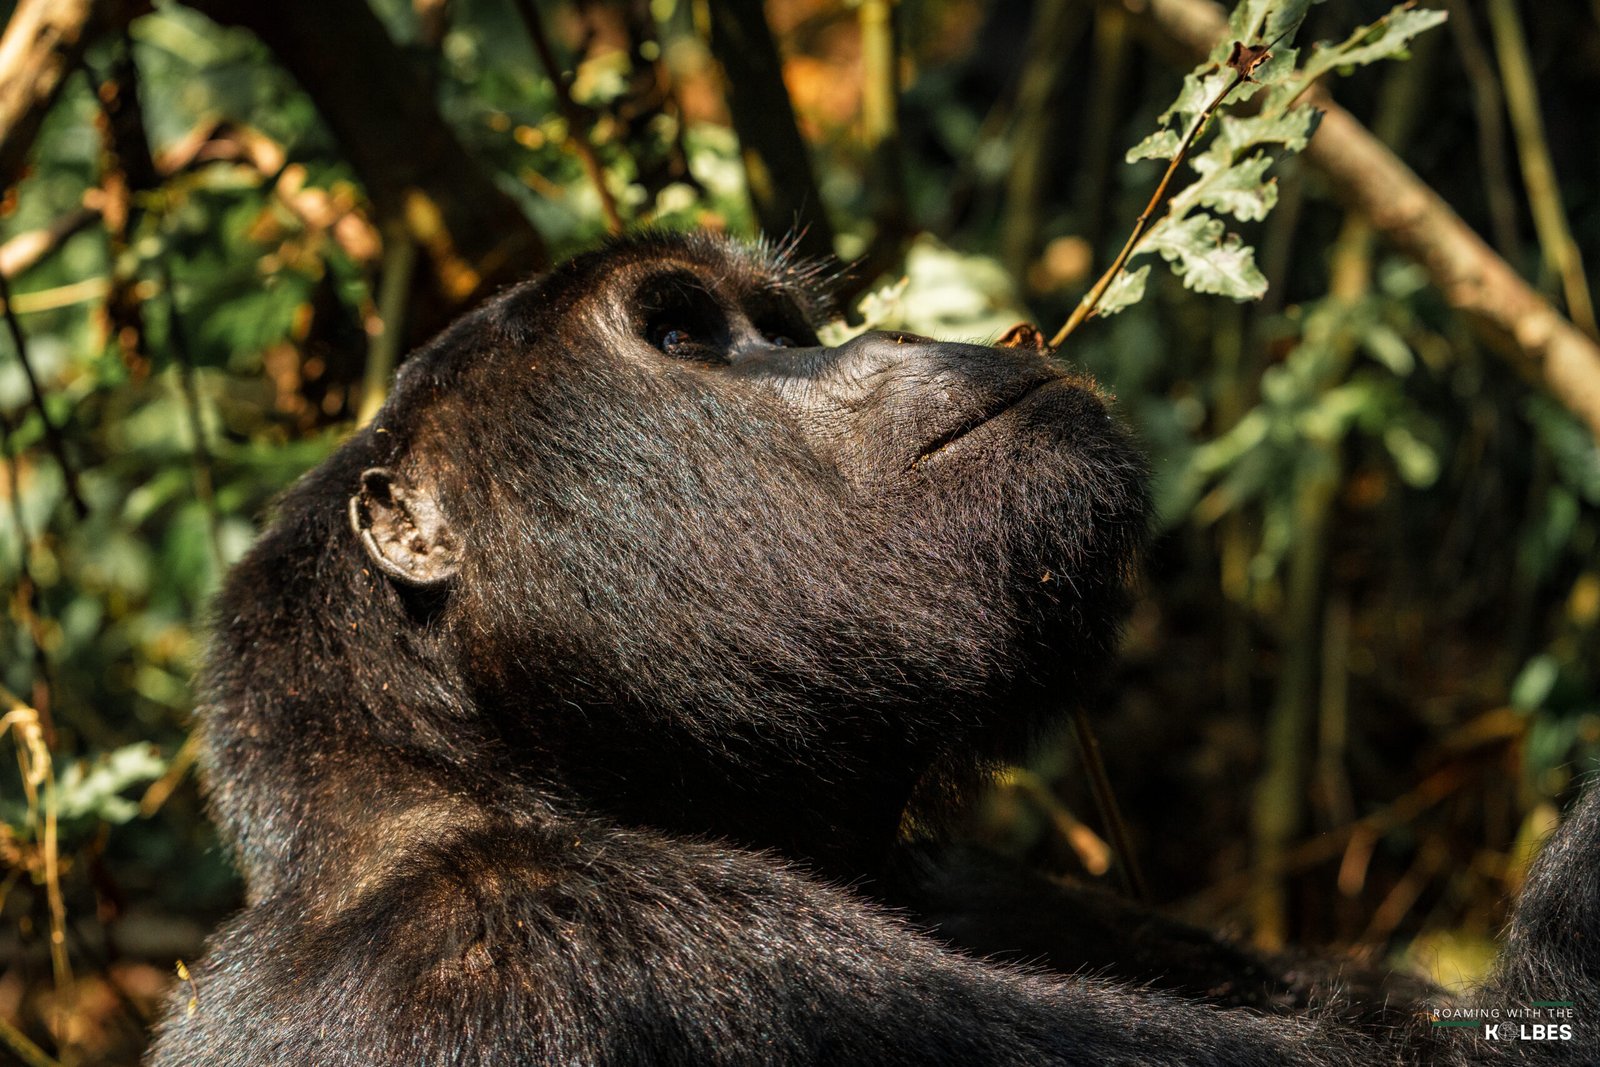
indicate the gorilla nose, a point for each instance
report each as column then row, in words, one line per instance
column 877, row 351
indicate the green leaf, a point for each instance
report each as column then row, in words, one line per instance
column 1200, row 86
column 1240, row 190
column 1206, row 260
column 1573, row 447
column 91, row 789
column 1292, row 130
column 1416, row 461
column 1266, row 21
column 1385, row 39
column 1285, row 20
column 1124, row 291
column 1389, row 348
column 1534, row 683
column 1245, row 23
column 1163, row 144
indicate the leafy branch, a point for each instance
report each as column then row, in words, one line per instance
column 1232, row 171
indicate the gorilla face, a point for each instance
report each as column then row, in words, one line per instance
column 653, row 505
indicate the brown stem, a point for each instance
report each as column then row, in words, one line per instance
column 1056, row 28
column 1087, row 305
column 26, row 1051
column 1108, row 103
column 880, row 128
column 1278, row 804
column 1105, row 799
column 577, row 123
column 399, row 260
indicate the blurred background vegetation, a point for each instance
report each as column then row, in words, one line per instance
column 1362, row 677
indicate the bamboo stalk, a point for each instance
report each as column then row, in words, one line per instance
column 1538, row 171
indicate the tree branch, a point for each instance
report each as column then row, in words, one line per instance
column 52, row 433
column 42, row 43
column 577, row 122
column 782, row 187
column 1091, row 301
column 380, row 108
column 26, row 250
column 1369, row 178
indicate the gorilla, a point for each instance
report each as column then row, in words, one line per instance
column 568, row 712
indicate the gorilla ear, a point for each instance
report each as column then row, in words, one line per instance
column 404, row 530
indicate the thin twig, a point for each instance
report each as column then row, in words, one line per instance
column 1108, row 102
column 1328, row 845
column 200, row 454
column 1488, row 108
column 23, row 1049
column 1091, row 849
column 1538, row 171
column 27, row 250
column 52, row 435
column 1088, row 304
column 1055, row 29
column 1105, row 799
column 576, row 132
column 880, row 127
column 39, row 784
column 162, row 788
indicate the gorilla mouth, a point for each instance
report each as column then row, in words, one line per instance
column 994, row 411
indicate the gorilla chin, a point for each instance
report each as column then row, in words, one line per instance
column 570, row 712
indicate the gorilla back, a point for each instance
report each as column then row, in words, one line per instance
column 551, row 716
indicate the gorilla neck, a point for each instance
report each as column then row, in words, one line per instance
column 840, row 818
column 313, row 798
column 306, row 756
column 335, row 701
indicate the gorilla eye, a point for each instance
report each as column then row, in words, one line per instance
column 673, row 339
column 682, row 319
column 781, row 341
column 677, row 339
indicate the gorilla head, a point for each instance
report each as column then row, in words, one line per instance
column 631, row 532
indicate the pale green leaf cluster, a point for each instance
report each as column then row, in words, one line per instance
column 93, row 789
column 1231, row 179
column 1207, row 259
column 1126, row 289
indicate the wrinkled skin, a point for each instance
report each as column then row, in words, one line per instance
column 557, row 713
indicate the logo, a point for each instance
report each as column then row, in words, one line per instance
column 1538, row 1021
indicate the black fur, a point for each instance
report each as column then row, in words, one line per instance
column 553, row 717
